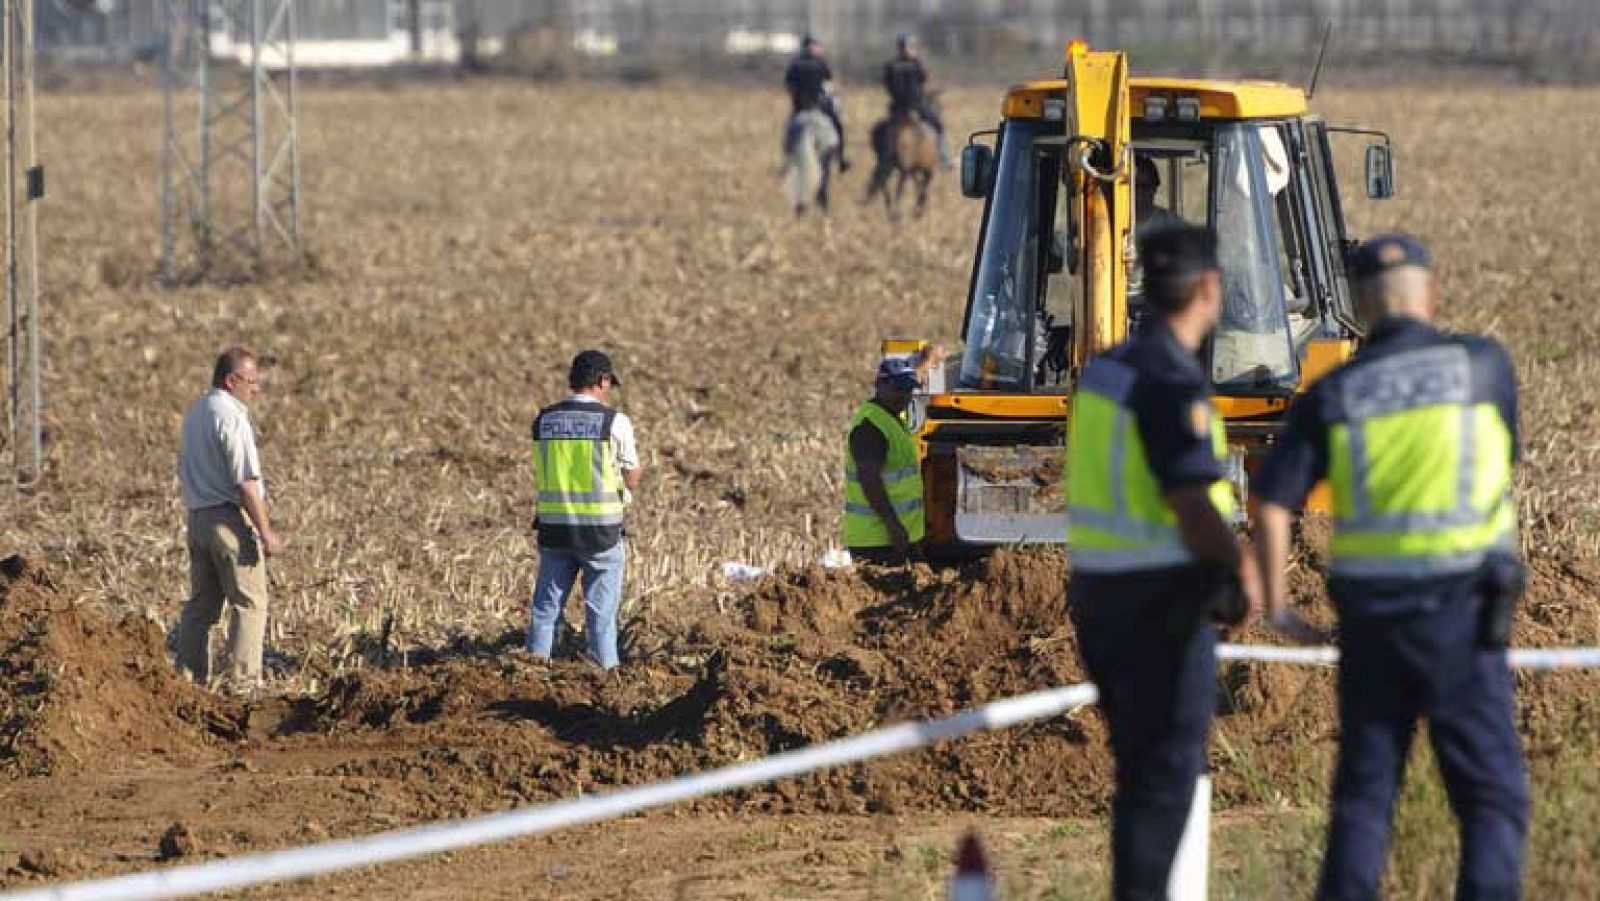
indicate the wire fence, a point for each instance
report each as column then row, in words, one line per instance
column 744, row 33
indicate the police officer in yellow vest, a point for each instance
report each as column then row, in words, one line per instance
column 586, row 463
column 1416, row 437
column 883, row 516
column 1153, row 552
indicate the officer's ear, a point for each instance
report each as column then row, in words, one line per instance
column 1207, row 294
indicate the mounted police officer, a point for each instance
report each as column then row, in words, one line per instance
column 809, row 81
column 905, row 78
column 1416, row 436
column 586, row 463
column 1154, row 558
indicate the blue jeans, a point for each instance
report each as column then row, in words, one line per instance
column 1396, row 670
column 602, row 596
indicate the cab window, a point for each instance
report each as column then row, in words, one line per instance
column 1251, row 350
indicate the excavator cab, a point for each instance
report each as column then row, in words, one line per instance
column 1078, row 168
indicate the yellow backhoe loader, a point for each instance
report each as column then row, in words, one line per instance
column 1077, row 167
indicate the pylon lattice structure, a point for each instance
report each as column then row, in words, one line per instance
column 24, row 187
column 230, row 187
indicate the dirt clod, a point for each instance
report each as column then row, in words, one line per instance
column 178, row 841
column 51, row 863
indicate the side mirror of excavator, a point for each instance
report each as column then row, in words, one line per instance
column 977, row 163
column 1380, row 172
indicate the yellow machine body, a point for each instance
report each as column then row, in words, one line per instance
column 1056, row 276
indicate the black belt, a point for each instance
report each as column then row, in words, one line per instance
column 227, row 506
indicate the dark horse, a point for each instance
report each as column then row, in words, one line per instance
column 905, row 146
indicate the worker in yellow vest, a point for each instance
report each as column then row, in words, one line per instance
column 1416, row 438
column 1154, row 558
column 883, row 515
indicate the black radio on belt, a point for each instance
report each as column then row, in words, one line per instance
column 1502, row 582
column 1223, row 595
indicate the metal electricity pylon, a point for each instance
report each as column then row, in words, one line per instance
column 24, row 394
column 230, row 186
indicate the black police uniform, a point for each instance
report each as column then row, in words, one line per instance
column 904, row 77
column 807, row 82
column 1412, row 648
column 1145, row 638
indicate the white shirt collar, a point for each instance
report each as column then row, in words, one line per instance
column 234, row 401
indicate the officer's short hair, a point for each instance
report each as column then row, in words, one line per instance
column 228, row 362
column 588, row 368
column 1174, row 259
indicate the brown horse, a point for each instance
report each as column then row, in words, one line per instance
column 907, row 147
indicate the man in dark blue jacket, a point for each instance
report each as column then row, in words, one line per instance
column 809, row 81
column 1417, row 439
column 906, row 80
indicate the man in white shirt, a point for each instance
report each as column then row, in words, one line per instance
column 219, row 474
column 586, row 464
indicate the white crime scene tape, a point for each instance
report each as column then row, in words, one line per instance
column 1518, row 658
column 327, row 857
column 436, row 838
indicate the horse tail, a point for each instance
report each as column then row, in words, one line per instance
column 883, row 151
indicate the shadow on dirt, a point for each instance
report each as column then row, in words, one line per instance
column 682, row 719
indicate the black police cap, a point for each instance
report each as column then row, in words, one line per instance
column 1385, row 252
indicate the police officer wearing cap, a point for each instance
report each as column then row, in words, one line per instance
column 1154, row 558
column 905, row 79
column 883, row 515
column 1416, row 437
column 586, row 463
column 809, row 81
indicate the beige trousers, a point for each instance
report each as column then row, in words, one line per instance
column 227, row 574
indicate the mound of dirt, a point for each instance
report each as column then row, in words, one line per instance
column 84, row 692
column 807, row 656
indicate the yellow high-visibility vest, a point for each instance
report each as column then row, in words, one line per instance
column 902, row 481
column 581, row 493
column 1420, row 470
column 1118, row 520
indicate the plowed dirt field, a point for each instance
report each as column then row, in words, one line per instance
column 465, row 240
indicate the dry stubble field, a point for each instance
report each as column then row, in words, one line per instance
column 467, row 239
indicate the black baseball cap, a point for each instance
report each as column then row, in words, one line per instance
column 899, row 372
column 589, row 366
column 1385, row 252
